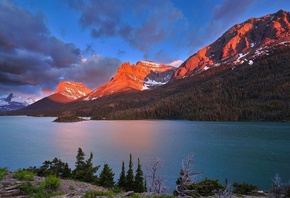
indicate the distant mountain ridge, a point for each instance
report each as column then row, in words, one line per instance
column 65, row 93
column 11, row 103
column 242, row 42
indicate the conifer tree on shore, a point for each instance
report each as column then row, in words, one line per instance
column 107, row 177
column 122, row 178
column 130, row 176
column 139, row 179
column 84, row 170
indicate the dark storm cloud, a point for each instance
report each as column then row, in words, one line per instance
column 94, row 71
column 21, row 31
column 32, row 60
column 142, row 24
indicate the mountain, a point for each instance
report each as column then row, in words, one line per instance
column 244, row 75
column 12, row 102
column 72, row 90
column 144, row 75
column 65, row 93
column 243, row 42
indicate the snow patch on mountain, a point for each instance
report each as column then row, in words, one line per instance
column 11, row 102
column 72, row 90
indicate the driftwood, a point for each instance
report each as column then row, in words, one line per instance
column 126, row 194
column 10, row 191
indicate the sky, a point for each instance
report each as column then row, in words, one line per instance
column 44, row 42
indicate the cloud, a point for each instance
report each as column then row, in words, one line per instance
column 94, row 71
column 142, row 24
column 32, row 61
column 225, row 15
column 176, row 63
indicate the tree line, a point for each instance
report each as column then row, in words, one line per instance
column 186, row 183
column 85, row 171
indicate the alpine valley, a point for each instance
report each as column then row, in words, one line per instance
column 243, row 75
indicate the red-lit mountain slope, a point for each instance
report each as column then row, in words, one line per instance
column 243, row 42
column 142, row 76
column 72, row 90
column 66, row 92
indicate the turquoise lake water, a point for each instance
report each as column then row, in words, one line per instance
column 251, row 152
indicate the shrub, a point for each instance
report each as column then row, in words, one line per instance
column 71, row 187
column 207, row 187
column 54, row 167
column 37, row 191
column 244, row 189
column 28, row 189
column 95, row 193
column 24, row 175
column 51, row 182
column 3, row 172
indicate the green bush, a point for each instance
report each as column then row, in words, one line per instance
column 37, row 191
column 206, row 187
column 51, row 182
column 3, row 172
column 29, row 189
column 24, row 175
column 243, row 188
column 71, row 187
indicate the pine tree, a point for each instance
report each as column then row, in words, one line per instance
column 80, row 159
column 78, row 172
column 139, row 179
column 130, row 176
column 122, row 178
column 90, row 170
column 107, row 177
column 84, row 170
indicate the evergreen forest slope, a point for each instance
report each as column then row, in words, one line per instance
column 258, row 91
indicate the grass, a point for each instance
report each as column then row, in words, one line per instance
column 37, row 191
column 3, row 172
column 23, row 175
column 51, row 182
column 95, row 193
column 71, row 187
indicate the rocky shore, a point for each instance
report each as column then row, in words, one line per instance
column 10, row 187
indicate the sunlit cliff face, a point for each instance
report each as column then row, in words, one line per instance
column 143, row 75
column 241, row 41
column 72, row 90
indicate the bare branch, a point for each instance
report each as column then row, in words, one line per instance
column 187, row 177
column 156, row 182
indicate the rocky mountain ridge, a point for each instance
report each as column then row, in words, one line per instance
column 130, row 77
column 244, row 75
column 72, row 90
column 242, row 42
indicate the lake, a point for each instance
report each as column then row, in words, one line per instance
column 251, row 152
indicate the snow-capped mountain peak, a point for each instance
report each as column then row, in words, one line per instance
column 72, row 90
column 135, row 77
column 12, row 102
